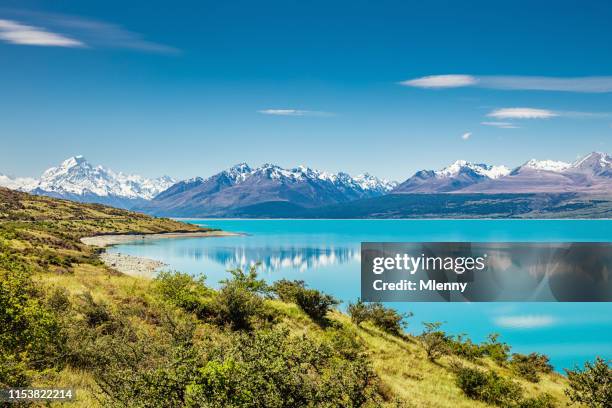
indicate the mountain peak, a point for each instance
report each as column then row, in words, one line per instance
column 599, row 158
column 547, row 165
column 73, row 161
column 481, row 169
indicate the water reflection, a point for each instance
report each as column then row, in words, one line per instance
column 273, row 258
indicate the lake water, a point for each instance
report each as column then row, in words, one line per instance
column 325, row 254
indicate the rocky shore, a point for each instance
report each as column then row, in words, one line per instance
column 132, row 265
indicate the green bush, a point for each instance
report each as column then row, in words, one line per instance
column 315, row 304
column 465, row 348
column 592, row 385
column 238, row 308
column 528, row 366
column 287, row 290
column 495, row 349
column 263, row 368
column 30, row 333
column 386, row 319
column 434, row 341
column 239, row 303
column 186, row 292
column 488, row 387
column 247, row 280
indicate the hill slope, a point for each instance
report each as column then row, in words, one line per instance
column 70, row 321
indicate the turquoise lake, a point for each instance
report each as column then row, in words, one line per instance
column 325, row 254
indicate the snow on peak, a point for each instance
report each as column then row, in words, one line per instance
column 547, row 165
column 369, row 182
column 492, row 172
column 77, row 176
column 365, row 182
column 598, row 159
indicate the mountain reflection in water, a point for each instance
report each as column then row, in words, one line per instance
column 273, row 258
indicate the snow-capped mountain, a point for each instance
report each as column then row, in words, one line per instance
column 590, row 174
column 458, row 175
column 76, row 179
column 242, row 186
column 547, row 165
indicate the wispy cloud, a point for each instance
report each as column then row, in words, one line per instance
column 21, row 34
column 589, row 84
column 525, row 321
column 501, row 125
column 26, row 28
column 522, row 113
column 537, row 113
column 293, row 112
column 441, row 81
column 466, row 135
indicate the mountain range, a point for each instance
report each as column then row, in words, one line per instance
column 589, row 174
column 76, row 179
column 273, row 191
column 242, row 186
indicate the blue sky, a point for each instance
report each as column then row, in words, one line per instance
column 187, row 88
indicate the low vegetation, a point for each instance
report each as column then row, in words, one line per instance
column 386, row 319
column 66, row 320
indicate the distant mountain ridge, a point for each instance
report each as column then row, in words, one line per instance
column 241, row 186
column 273, row 191
column 458, row 175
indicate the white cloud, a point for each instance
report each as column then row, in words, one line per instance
column 21, row 34
column 525, row 321
column 522, row 113
column 76, row 32
column 293, row 112
column 466, row 135
column 591, row 84
column 501, row 125
column 441, row 81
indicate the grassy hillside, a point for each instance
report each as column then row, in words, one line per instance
column 68, row 320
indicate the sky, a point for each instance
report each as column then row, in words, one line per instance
column 188, row 88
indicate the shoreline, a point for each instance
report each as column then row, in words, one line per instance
column 135, row 265
column 104, row 241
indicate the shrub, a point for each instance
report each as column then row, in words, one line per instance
column 30, row 333
column 592, row 385
column 271, row 368
column 58, row 300
column 315, row 304
column 358, row 311
column 263, row 368
column 238, row 307
column 528, row 366
column 465, row 348
column 186, row 292
column 287, row 290
column 247, row 280
column 488, row 387
column 434, row 341
column 493, row 348
column 95, row 313
column 386, row 319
